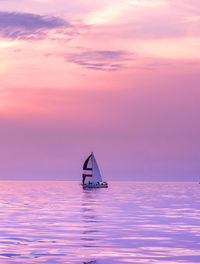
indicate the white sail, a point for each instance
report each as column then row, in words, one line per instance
column 91, row 172
column 96, row 175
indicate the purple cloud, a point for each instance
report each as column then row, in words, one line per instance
column 27, row 25
column 104, row 60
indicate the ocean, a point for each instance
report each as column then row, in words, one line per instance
column 130, row 222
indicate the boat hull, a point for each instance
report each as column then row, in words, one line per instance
column 93, row 185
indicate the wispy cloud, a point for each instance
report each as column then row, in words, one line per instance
column 28, row 26
column 103, row 60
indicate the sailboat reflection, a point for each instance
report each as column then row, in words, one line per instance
column 90, row 262
column 91, row 231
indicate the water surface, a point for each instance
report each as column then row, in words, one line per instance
column 59, row 222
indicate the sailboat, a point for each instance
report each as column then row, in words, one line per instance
column 91, row 177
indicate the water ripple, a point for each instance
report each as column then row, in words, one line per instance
column 58, row 222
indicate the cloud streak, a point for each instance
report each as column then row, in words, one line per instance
column 24, row 26
column 101, row 60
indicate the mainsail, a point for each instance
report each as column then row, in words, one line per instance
column 91, row 172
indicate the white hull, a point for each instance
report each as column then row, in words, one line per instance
column 95, row 185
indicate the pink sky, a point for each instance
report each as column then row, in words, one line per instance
column 119, row 78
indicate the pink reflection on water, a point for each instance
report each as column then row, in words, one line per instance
column 59, row 222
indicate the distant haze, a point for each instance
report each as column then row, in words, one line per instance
column 119, row 78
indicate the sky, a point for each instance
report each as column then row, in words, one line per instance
column 119, row 78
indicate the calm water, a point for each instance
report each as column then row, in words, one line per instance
column 59, row 222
